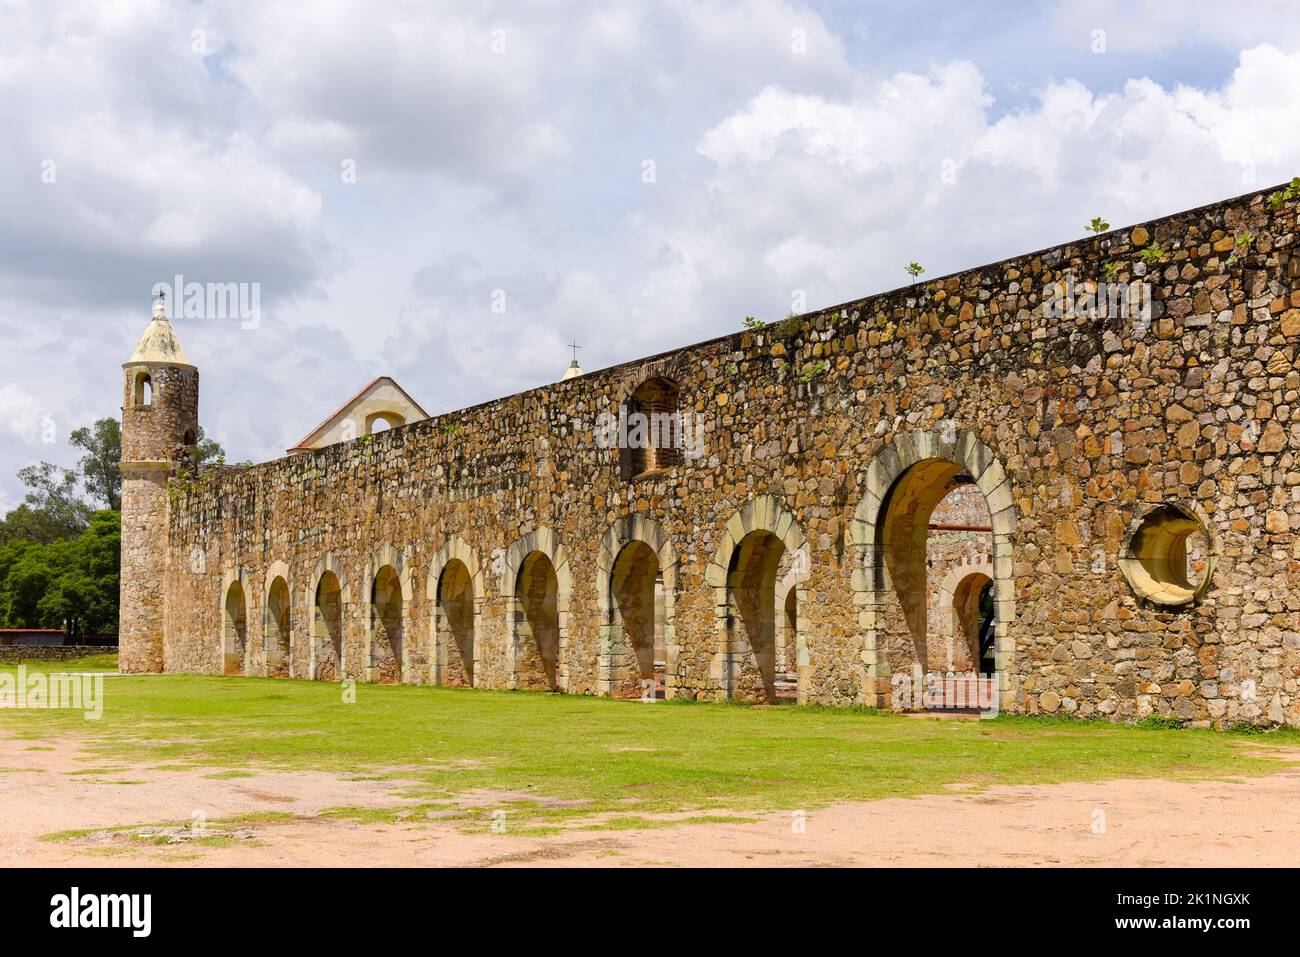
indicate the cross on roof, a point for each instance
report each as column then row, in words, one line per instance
column 575, row 347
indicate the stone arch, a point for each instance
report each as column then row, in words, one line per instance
column 277, row 622
column 454, row 657
column 652, row 412
column 388, row 598
column 737, row 664
column 232, row 653
column 143, row 393
column 787, row 619
column 389, row 415
column 614, row 646
column 960, row 448
column 955, row 608
column 329, row 613
column 541, row 541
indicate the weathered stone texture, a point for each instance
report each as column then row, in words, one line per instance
column 814, row 431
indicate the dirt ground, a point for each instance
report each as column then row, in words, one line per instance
column 1246, row 822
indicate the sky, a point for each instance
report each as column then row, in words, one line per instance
column 449, row 193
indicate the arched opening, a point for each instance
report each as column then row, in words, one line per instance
column 891, row 531
column 653, row 435
column 189, row 439
column 934, row 519
column 277, row 629
column 235, row 630
column 787, row 656
column 454, row 626
column 143, row 389
column 327, row 628
column 387, row 627
column 637, row 604
column 537, row 624
column 383, row 421
column 972, row 624
column 751, row 617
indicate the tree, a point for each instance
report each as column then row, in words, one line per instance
column 27, row 576
column 63, row 584
column 83, row 594
column 25, row 523
column 55, row 507
column 208, row 450
column 102, row 444
column 54, row 491
column 59, row 558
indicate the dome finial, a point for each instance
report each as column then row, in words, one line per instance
column 159, row 343
column 574, row 369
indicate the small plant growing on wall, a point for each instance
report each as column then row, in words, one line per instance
column 450, row 428
column 1097, row 226
column 1290, row 191
column 1152, row 255
column 914, row 270
column 753, row 324
column 1241, row 244
column 814, row 370
column 1110, row 270
column 788, row 326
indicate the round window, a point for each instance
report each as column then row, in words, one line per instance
column 1167, row 558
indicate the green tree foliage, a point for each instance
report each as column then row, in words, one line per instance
column 102, row 444
column 59, row 557
column 208, row 450
column 70, row 584
column 55, row 494
column 25, row 523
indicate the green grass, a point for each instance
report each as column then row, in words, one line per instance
column 553, row 758
column 104, row 662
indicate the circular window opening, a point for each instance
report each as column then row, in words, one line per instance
column 1167, row 559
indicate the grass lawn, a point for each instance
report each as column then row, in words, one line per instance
column 598, row 756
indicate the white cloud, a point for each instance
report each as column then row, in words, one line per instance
column 778, row 171
column 1154, row 26
column 21, row 414
column 125, row 163
column 834, row 196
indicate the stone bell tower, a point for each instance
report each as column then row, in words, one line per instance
column 160, row 420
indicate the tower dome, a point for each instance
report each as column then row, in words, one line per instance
column 159, row 342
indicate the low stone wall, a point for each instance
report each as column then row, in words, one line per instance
column 52, row 652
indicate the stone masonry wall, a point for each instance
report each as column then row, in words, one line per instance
column 152, row 435
column 1092, row 421
column 52, row 652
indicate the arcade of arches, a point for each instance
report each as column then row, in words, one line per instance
column 940, row 476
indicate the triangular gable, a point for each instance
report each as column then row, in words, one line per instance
column 348, row 407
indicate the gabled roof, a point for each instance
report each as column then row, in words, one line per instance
column 346, row 407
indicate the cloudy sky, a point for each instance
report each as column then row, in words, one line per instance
column 449, row 192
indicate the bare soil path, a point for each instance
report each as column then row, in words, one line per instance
column 44, row 788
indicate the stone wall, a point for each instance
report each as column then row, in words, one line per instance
column 837, row 432
column 51, row 652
